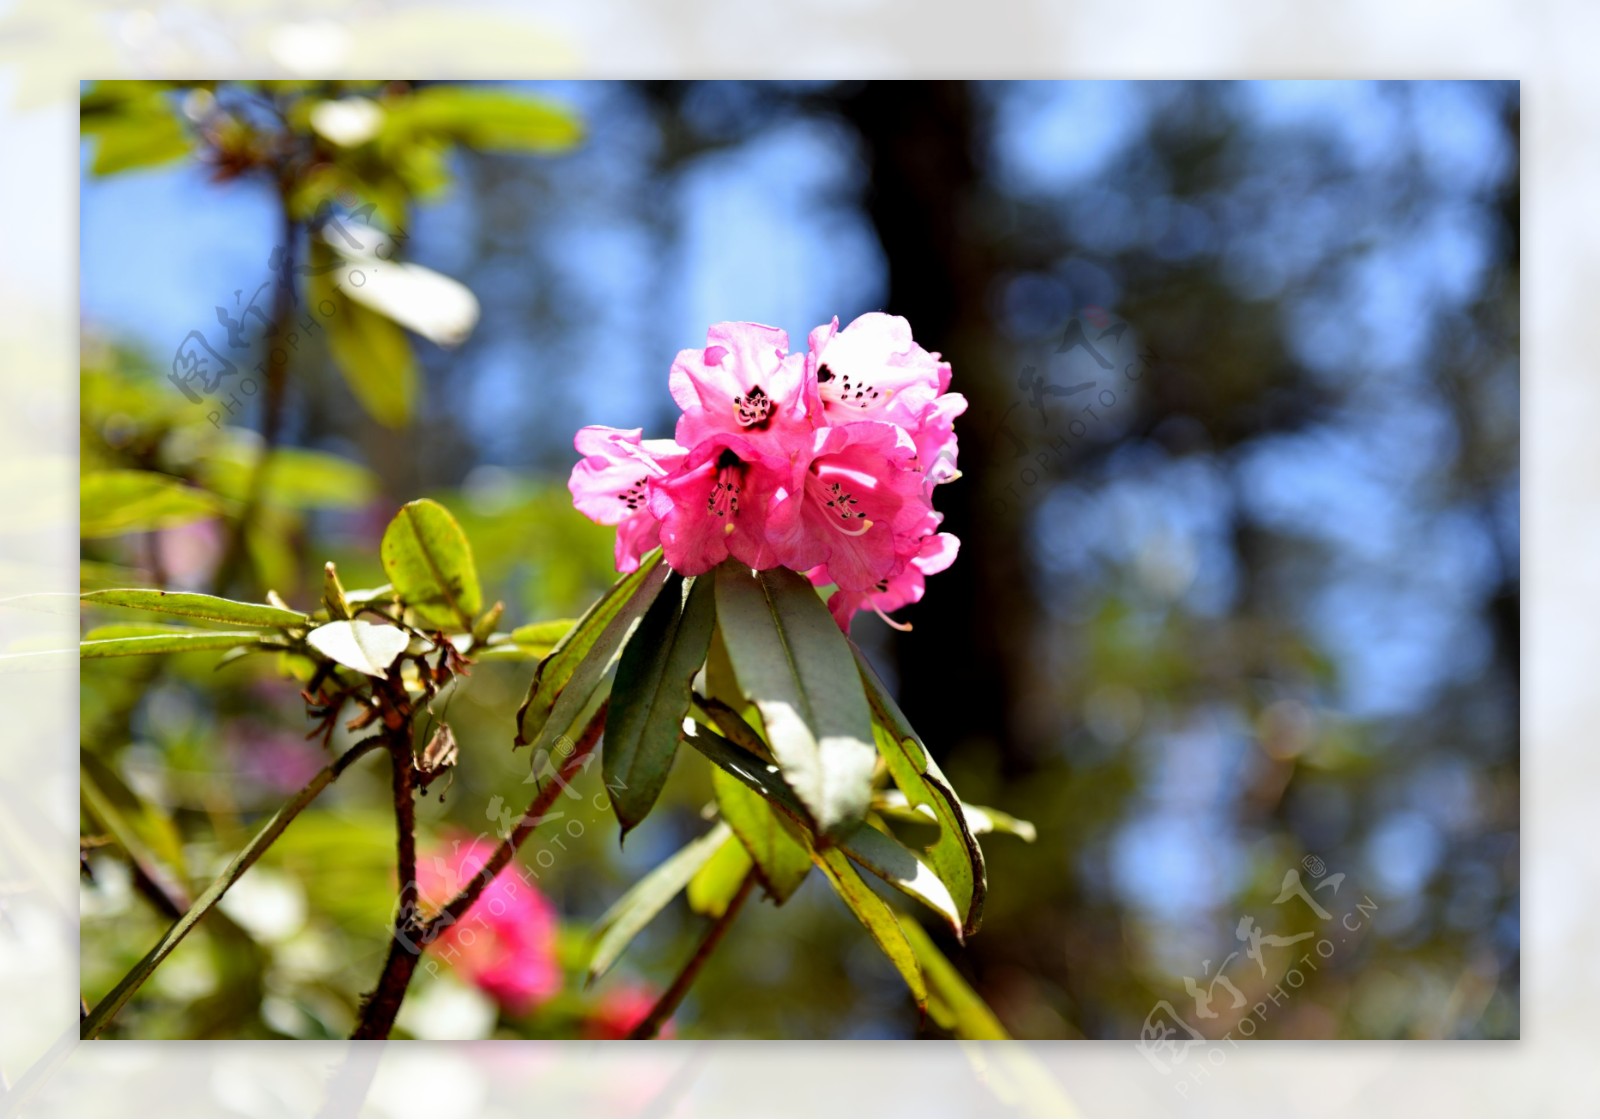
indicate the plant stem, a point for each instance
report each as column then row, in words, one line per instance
column 412, row 936
column 95, row 1022
column 277, row 376
column 380, row 1008
column 651, row 1024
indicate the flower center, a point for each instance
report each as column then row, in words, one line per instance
column 633, row 497
column 754, row 409
column 723, row 501
column 840, row 506
column 842, row 389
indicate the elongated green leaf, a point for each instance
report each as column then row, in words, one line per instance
column 715, row 884
column 189, row 604
column 980, row 818
column 114, row 502
column 951, row 1001
column 645, row 899
column 954, row 854
column 899, row 866
column 543, row 635
column 883, row 855
column 143, row 132
column 373, row 355
column 429, row 561
column 795, row 665
column 757, row 773
column 95, row 1022
column 874, row 913
column 650, row 695
column 366, row 647
column 488, row 119
column 172, row 641
column 782, row 860
column 580, row 658
column 296, row 478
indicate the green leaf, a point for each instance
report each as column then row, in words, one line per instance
column 955, row 854
column 874, row 913
column 296, row 478
column 543, row 635
column 366, row 647
column 194, row 605
column 488, row 119
column 373, row 355
column 795, row 665
column 429, row 561
column 951, row 1002
column 782, row 860
column 140, row 132
column 648, row 897
column 883, row 855
column 715, row 884
column 899, row 866
column 170, row 640
column 564, row 681
column 111, row 503
column 980, row 818
column 650, row 695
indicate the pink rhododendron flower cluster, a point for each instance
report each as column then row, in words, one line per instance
column 823, row 461
column 506, row 944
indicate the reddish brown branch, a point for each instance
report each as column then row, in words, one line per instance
column 651, row 1024
column 411, row 934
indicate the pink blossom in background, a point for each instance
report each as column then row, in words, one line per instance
column 823, row 461
column 505, row 944
column 619, row 1010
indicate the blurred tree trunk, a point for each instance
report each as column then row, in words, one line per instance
column 964, row 664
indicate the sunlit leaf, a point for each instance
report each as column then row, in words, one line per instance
column 715, row 884
column 795, row 665
column 619, row 925
column 126, row 501
column 173, row 640
column 488, row 119
column 133, row 127
column 366, row 647
column 194, row 605
column 650, row 695
column 373, row 355
column 951, row 1001
column 296, row 478
column 875, row 914
column 980, row 818
column 782, row 860
column 429, row 561
column 954, row 854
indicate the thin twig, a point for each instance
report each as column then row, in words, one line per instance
column 380, row 1008
column 651, row 1024
column 103, row 1012
column 277, row 376
column 457, row 908
column 411, row 936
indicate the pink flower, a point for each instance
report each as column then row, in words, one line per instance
column 716, row 507
column 745, row 383
column 853, row 505
column 619, row 1011
column 505, row 944
column 935, row 552
column 610, row 485
column 824, row 462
